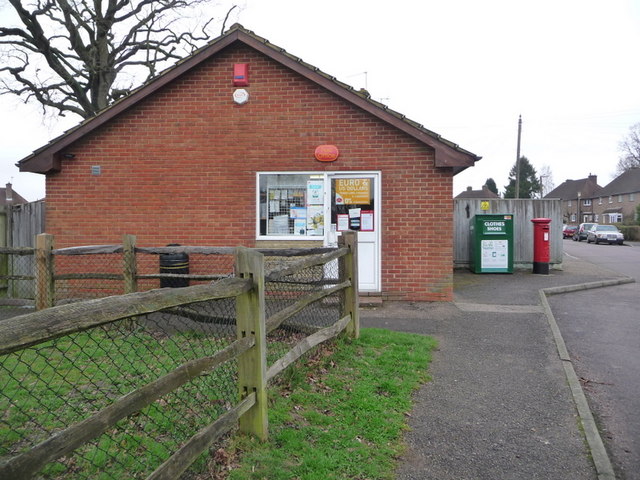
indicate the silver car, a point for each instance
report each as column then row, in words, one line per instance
column 605, row 233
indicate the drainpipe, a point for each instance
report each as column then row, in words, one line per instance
column 9, row 213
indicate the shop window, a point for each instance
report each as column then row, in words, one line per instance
column 291, row 205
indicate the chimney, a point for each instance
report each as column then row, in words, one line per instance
column 9, row 194
column 469, row 189
column 593, row 178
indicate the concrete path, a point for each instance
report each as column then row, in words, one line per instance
column 501, row 404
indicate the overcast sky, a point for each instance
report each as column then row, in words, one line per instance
column 465, row 69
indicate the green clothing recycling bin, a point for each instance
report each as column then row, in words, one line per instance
column 492, row 243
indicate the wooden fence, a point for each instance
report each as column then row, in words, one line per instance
column 523, row 211
column 19, row 225
column 303, row 280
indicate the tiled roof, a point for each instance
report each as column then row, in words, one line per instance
column 613, row 210
column 569, row 189
column 16, row 198
column 627, row 182
column 448, row 154
column 484, row 193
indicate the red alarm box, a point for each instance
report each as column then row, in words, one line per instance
column 240, row 74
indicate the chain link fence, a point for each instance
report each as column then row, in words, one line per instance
column 17, row 277
column 46, row 388
column 87, row 273
column 286, row 291
column 49, row 387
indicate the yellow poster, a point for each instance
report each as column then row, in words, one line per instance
column 353, row 191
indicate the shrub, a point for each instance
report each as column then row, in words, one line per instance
column 631, row 232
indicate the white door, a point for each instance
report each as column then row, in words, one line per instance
column 354, row 204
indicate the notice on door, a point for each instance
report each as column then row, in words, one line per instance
column 494, row 254
column 353, row 191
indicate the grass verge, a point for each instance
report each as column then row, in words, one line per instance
column 339, row 416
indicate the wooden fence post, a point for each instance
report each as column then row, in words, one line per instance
column 44, row 271
column 130, row 269
column 350, row 268
column 252, row 365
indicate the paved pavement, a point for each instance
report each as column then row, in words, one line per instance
column 503, row 402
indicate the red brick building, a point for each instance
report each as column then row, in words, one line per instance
column 222, row 149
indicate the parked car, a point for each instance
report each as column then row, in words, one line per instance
column 581, row 232
column 568, row 231
column 605, row 233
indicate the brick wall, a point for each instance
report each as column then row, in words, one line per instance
column 179, row 167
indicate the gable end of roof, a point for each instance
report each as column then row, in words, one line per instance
column 447, row 154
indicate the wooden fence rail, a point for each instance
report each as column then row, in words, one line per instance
column 249, row 348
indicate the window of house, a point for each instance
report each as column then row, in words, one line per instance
column 619, row 198
column 573, row 217
column 291, row 205
column 632, row 197
column 610, row 199
column 568, row 203
column 587, row 202
column 599, row 200
column 596, row 218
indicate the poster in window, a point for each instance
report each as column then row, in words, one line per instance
column 343, row 222
column 300, row 226
column 354, row 219
column 297, row 212
column 366, row 220
column 353, row 191
column 315, row 192
column 315, row 220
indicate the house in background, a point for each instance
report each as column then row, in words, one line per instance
column 577, row 198
column 8, row 196
column 617, row 201
column 484, row 193
column 245, row 144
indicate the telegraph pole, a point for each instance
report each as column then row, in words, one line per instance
column 518, row 158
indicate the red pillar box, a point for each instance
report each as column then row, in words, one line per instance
column 541, row 243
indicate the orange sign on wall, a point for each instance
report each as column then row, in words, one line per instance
column 326, row 153
column 353, row 191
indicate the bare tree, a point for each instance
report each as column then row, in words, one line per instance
column 630, row 150
column 81, row 55
column 546, row 180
